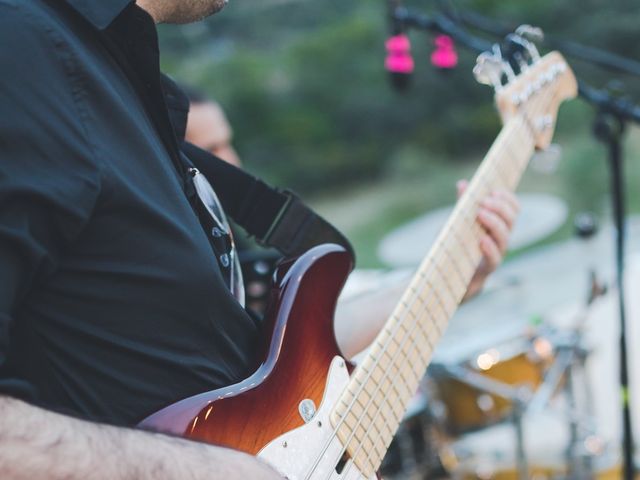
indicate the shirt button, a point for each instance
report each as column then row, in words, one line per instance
column 224, row 260
column 217, row 232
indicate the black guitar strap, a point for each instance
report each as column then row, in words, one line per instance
column 276, row 218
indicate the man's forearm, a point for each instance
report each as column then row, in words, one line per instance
column 358, row 320
column 35, row 443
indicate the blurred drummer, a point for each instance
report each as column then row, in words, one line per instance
column 209, row 129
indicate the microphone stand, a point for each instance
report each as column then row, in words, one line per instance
column 609, row 129
column 613, row 115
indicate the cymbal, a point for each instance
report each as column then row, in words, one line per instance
column 540, row 216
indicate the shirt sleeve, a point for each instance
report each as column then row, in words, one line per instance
column 49, row 178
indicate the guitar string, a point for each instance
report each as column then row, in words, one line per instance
column 416, row 295
column 376, row 361
column 517, row 129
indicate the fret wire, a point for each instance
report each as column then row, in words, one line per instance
column 521, row 160
column 441, row 304
column 520, row 169
column 464, row 246
column 438, row 299
column 498, row 165
column 448, row 287
column 463, row 230
column 412, row 337
column 417, row 348
column 444, row 257
column 461, row 276
column 434, row 322
column 514, row 166
column 497, row 172
column 414, row 291
column 399, row 347
column 502, row 176
column 391, row 406
column 470, row 223
column 482, row 180
column 428, row 311
column 421, row 325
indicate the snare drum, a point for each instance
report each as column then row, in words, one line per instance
column 479, row 392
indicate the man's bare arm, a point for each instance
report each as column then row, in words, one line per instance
column 35, row 443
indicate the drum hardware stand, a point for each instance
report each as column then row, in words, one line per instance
column 586, row 227
column 579, row 458
column 519, row 396
column 522, row 462
column 571, row 354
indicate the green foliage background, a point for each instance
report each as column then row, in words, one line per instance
column 304, row 88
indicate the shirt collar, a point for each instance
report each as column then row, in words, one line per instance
column 101, row 13
column 177, row 104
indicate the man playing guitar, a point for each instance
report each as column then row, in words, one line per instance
column 111, row 302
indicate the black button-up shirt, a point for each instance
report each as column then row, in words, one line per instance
column 111, row 302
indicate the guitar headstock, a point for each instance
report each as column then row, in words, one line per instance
column 535, row 89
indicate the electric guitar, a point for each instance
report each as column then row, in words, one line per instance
column 306, row 410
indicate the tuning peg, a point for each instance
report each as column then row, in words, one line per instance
column 528, row 35
column 490, row 68
column 531, row 33
column 517, row 50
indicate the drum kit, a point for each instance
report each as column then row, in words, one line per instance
column 507, row 395
column 500, row 387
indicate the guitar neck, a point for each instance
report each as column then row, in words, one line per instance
column 373, row 404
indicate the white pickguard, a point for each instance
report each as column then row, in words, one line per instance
column 295, row 453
